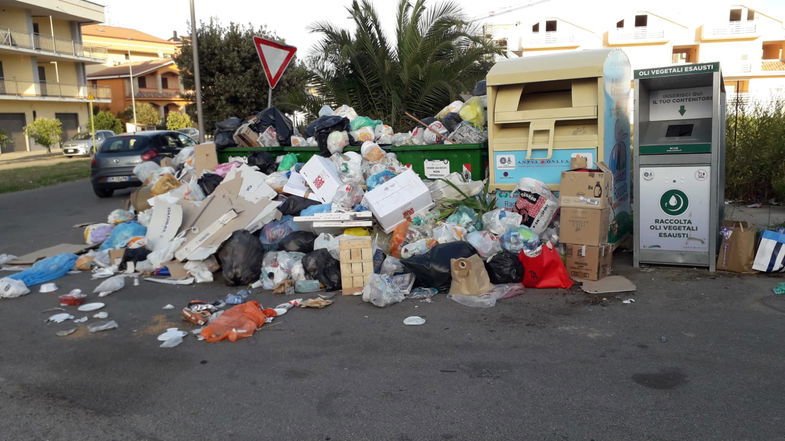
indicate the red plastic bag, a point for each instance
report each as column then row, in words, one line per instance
column 544, row 269
column 238, row 322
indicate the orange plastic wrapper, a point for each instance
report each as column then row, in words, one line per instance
column 398, row 237
column 240, row 321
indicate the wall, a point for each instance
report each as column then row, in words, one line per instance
column 731, row 53
column 644, row 56
column 45, row 110
column 14, row 19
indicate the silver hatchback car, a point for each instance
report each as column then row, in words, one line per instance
column 82, row 143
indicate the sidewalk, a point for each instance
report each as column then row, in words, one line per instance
column 30, row 159
column 767, row 215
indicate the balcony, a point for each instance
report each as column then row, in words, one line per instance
column 731, row 30
column 32, row 91
column 539, row 40
column 639, row 35
column 159, row 94
column 48, row 48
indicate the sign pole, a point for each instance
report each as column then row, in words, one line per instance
column 92, row 120
column 270, row 98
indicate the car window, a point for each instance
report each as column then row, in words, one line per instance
column 170, row 141
column 124, row 144
column 185, row 140
column 81, row 136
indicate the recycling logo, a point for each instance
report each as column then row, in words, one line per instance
column 674, row 202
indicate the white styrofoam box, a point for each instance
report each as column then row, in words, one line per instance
column 322, row 177
column 398, row 198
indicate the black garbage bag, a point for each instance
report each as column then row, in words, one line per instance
column 223, row 136
column 208, row 182
column 293, row 205
column 264, row 161
column 322, row 127
column 320, row 265
column 505, row 268
column 134, row 255
column 451, row 121
column 273, row 117
column 480, row 88
column 432, row 269
column 300, row 241
column 241, row 258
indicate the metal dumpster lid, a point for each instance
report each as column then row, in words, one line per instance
column 552, row 67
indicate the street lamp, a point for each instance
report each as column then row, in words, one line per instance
column 131, row 80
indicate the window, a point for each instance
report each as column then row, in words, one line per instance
column 750, row 15
column 185, row 140
column 171, row 141
column 165, row 82
column 127, row 57
column 550, row 26
column 620, row 24
column 771, row 51
column 641, row 21
column 36, row 30
column 2, row 78
column 735, row 15
column 142, row 82
column 124, row 144
column 536, row 27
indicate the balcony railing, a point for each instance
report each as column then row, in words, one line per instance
column 733, row 28
column 53, row 90
column 47, row 44
column 638, row 34
column 155, row 93
column 541, row 39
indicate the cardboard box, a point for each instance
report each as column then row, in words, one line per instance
column 296, row 186
column 397, row 199
column 322, row 176
column 242, row 201
column 586, row 189
column 587, row 262
column 584, row 226
column 244, row 136
column 205, row 157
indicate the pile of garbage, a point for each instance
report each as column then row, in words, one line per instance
column 334, row 129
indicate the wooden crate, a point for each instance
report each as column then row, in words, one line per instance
column 356, row 263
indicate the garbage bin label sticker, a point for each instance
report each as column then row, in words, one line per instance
column 675, row 104
column 510, row 166
column 436, row 168
column 505, row 162
column 679, row 219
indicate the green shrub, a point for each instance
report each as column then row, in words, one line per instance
column 178, row 120
column 45, row 131
column 106, row 121
column 755, row 152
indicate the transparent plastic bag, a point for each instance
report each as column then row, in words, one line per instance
column 278, row 266
column 453, row 107
column 420, row 246
column 277, row 180
column 326, row 111
column 381, row 291
column 449, row 233
column 274, row 231
column 346, row 112
column 97, row 233
column 122, row 233
column 119, row 216
column 383, row 134
column 146, row 170
column 391, row 265
column 520, row 238
column 347, row 197
column 430, row 135
column 486, row 243
column 11, row 288
column 371, row 151
column 465, row 217
column 473, row 111
column 399, row 139
column 498, row 221
column 363, row 134
column 349, row 166
column 298, row 141
column 328, row 242
column 269, row 137
column 110, row 285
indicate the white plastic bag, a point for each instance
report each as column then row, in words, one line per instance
column 383, row 134
column 380, row 291
column 110, row 285
column 486, row 243
column 119, row 216
column 401, row 139
column 297, row 141
column 326, row 111
column 146, row 170
column 12, row 288
column 328, row 242
column 430, row 135
column 346, row 112
column 445, row 233
column 336, row 141
column 391, row 266
column 346, row 197
column 183, row 157
column 269, row 137
column 363, row 134
column 350, row 167
column 371, row 151
column 200, row 270
column 453, row 107
column 498, row 221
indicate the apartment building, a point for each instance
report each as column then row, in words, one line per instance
column 124, row 45
column 748, row 43
column 42, row 66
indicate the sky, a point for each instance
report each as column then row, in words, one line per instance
column 290, row 19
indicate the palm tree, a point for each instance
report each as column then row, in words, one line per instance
column 437, row 54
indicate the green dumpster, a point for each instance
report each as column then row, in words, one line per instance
column 303, row 153
column 437, row 161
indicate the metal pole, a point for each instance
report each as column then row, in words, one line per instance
column 52, row 28
column 270, row 98
column 197, row 79
column 92, row 124
column 131, row 80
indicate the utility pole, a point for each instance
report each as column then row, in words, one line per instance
column 197, row 79
column 131, row 80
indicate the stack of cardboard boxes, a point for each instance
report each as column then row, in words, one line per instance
column 584, row 198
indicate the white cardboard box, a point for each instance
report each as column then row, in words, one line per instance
column 322, row 177
column 398, row 198
column 296, row 186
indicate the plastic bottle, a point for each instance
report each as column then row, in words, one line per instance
column 240, row 297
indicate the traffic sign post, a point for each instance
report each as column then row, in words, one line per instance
column 275, row 57
column 679, row 164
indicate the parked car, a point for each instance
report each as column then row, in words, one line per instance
column 82, row 143
column 191, row 132
column 112, row 167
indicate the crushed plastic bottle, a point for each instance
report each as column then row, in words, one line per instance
column 306, row 286
column 240, row 297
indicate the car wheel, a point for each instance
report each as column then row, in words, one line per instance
column 69, row 156
column 103, row 192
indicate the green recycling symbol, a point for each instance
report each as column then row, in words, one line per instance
column 674, row 202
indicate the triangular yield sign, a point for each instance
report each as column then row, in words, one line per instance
column 274, row 57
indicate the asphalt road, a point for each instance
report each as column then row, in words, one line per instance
column 697, row 356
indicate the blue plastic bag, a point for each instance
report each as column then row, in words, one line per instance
column 45, row 270
column 379, row 178
column 466, row 218
column 122, row 233
column 273, row 232
column 316, row 209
